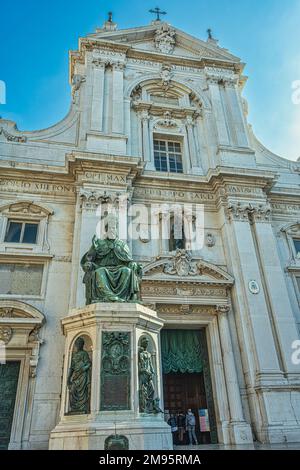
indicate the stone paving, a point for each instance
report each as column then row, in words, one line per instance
column 295, row 446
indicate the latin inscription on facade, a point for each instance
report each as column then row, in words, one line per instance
column 35, row 187
column 154, row 193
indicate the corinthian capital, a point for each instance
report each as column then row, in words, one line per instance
column 221, row 76
column 238, row 211
column 118, row 65
column 98, row 63
column 253, row 213
column 91, row 200
column 260, row 213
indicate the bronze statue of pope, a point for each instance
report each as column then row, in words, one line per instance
column 111, row 275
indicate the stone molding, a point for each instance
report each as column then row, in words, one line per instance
column 13, row 138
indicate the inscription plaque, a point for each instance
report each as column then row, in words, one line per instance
column 115, row 371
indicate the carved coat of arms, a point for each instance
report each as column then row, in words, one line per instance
column 181, row 265
column 165, row 39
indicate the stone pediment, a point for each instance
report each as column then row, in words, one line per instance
column 182, row 266
column 14, row 310
column 165, row 39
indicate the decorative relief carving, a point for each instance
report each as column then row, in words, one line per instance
column 76, row 84
column 210, row 240
column 13, row 138
column 181, row 265
column 167, row 121
column 34, row 335
column 8, row 312
column 136, row 94
column 166, row 75
column 185, row 309
column 27, row 208
column 5, row 334
column 223, row 309
column 165, row 39
column 115, row 371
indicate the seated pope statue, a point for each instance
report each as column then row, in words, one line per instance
column 111, row 275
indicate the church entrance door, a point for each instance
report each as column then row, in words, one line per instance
column 187, row 381
column 184, row 391
column 9, row 376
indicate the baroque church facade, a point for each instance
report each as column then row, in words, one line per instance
column 157, row 117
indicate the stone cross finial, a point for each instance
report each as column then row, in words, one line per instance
column 209, row 32
column 157, row 11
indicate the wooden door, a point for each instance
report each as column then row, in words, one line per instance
column 184, row 391
column 9, row 376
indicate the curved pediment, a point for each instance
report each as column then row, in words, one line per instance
column 183, row 266
column 26, row 207
column 14, row 309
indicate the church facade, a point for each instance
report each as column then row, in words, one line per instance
column 157, row 118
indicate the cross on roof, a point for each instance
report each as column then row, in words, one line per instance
column 209, row 32
column 157, row 11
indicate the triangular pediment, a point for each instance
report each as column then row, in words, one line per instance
column 183, row 266
column 185, row 45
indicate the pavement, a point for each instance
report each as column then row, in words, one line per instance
column 243, row 447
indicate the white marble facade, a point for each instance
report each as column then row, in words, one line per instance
column 128, row 88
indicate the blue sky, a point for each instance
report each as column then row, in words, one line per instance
column 36, row 36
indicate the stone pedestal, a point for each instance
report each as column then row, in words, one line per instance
column 112, row 332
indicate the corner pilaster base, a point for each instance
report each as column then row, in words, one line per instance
column 240, row 433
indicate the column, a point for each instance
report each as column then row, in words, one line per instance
column 253, row 307
column 240, row 430
column 98, row 95
column 238, row 119
column 219, row 114
column 118, row 98
column 284, row 321
column 195, row 167
column 145, row 119
column 127, row 130
column 234, row 397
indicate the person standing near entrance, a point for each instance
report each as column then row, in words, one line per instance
column 181, row 426
column 190, row 423
column 174, row 428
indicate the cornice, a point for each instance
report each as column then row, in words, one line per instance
column 92, row 44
